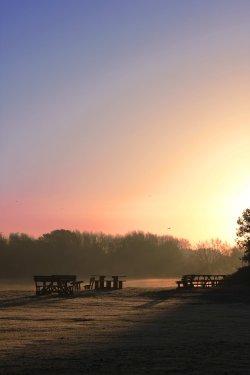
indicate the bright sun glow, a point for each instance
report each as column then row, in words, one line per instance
column 239, row 202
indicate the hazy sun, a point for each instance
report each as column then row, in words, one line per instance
column 239, row 202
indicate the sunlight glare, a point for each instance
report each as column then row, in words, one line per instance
column 239, row 201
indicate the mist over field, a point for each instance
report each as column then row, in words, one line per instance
column 136, row 255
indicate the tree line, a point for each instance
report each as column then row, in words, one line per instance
column 136, row 254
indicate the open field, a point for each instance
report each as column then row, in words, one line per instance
column 130, row 331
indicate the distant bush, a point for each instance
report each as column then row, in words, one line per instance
column 242, row 276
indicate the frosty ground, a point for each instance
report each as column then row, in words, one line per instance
column 130, row 331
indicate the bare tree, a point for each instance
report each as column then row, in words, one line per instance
column 243, row 233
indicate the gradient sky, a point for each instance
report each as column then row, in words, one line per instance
column 123, row 115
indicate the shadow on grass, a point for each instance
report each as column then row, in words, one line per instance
column 199, row 336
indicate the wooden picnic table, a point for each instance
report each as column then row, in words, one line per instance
column 106, row 282
column 201, row 281
column 66, row 285
column 60, row 284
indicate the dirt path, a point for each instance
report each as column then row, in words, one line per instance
column 130, row 331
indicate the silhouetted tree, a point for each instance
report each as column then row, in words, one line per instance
column 21, row 254
column 3, row 243
column 93, row 253
column 243, row 233
column 136, row 254
column 61, row 248
column 209, row 260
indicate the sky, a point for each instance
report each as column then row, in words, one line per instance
column 123, row 115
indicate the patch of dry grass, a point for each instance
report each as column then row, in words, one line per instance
column 130, row 331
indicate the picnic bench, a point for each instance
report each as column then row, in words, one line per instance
column 201, row 281
column 91, row 283
column 105, row 282
column 60, row 284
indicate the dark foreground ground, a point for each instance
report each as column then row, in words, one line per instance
column 131, row 331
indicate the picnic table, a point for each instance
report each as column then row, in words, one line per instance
column 60, row 284
column 106, row 282
column 203, row 281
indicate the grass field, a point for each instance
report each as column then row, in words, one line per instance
column 130, row 331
